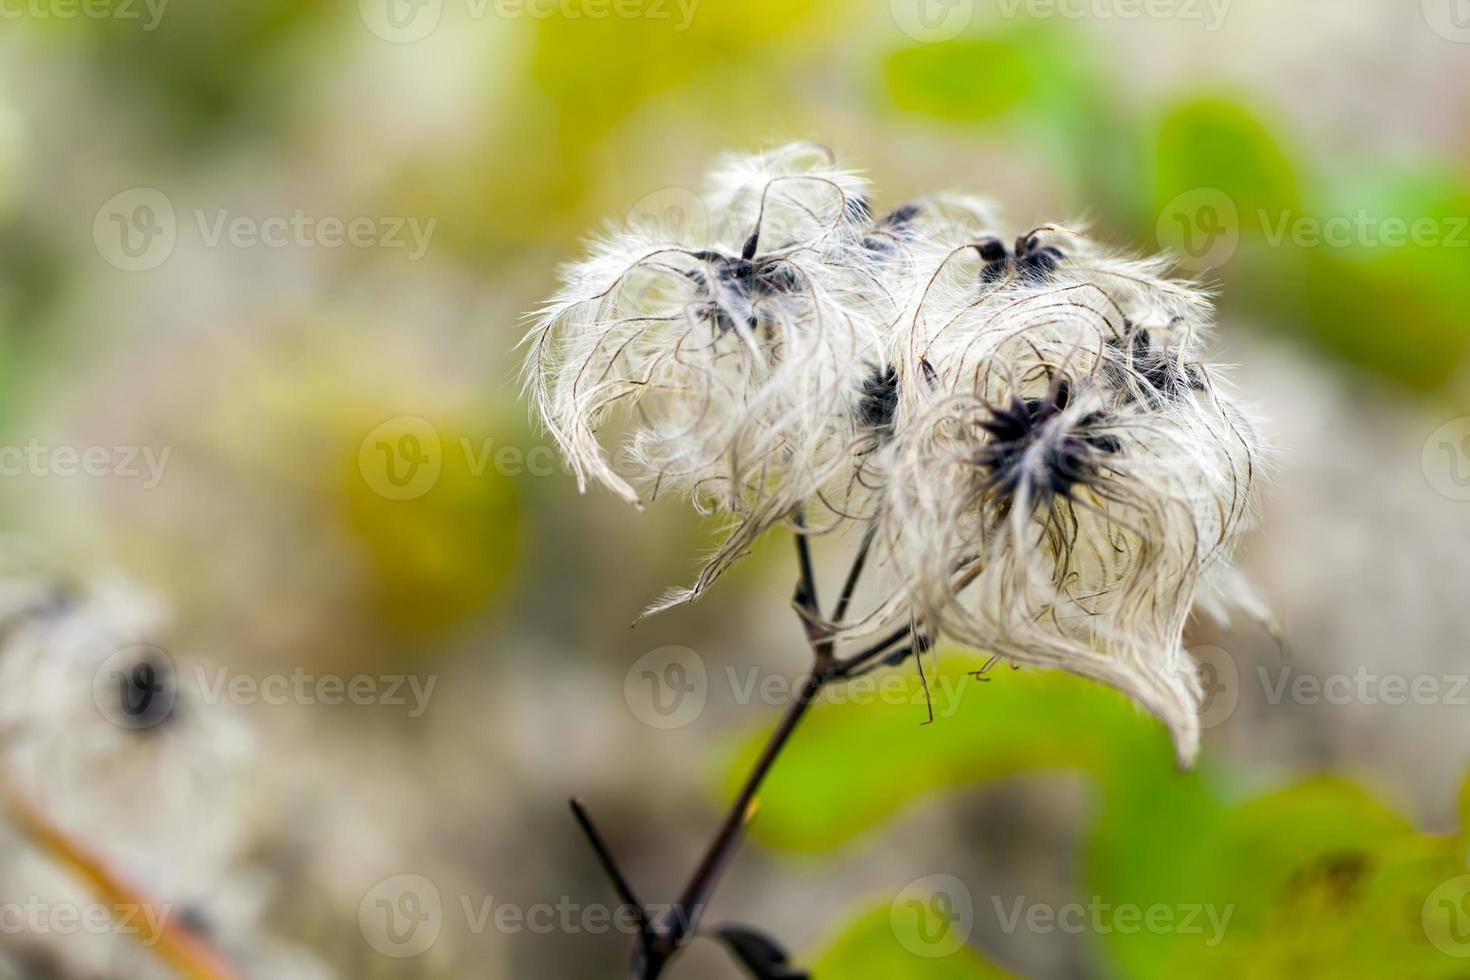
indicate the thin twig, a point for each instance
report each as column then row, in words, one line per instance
column 687, row 912
column 849, row 587
column 697, row 891
column 609, row 863
column 660, row 940
column 808, row 607
column 186, row 952
column 847, row 664
column 898, row 656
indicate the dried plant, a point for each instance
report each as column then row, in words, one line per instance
column 1026, row 439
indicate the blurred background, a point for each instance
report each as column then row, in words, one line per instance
column 263, row 267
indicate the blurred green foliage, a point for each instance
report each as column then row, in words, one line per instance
column 866, row 948
column 1215, row 143
column 211, row 70
column 1323, row 879
column 1389, row 306
column 966, row 80
column 1319, row 877
column 441, row 557
column 1397, row 310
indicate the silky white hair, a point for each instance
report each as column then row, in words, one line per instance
column 739, row 373
column 1028, row 436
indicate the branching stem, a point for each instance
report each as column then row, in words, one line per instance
column 661, row 938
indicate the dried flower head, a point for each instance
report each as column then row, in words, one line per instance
column 101, row 731
column 742, row 364
column 1069, row 471
column 1024, row 427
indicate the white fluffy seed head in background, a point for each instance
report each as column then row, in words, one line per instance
column 1027, row 428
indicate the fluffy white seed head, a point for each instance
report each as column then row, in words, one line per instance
column 1068, row 470
column 1027, row 428
column 738, row 366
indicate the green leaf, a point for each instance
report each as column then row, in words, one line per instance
column 868, row 948
column 865, row 750
column 1247, row 867
column 963, row 80
column 1318, row 878
column 1384, row 297
column 1217, row 145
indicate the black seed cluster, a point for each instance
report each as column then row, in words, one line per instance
column 749, row 278
column 1031, row 262
column 879, row 403
column 1077, row 457
column 881, row 238
column 1165, row 374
